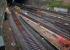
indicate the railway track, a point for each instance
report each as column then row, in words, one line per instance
column 46, row 34
column 45, row 24
column 32, row 43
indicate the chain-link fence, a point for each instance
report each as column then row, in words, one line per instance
column 2, row 11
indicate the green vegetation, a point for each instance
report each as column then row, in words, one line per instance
column 66, row 6
column 58, row 3
column 55, row 3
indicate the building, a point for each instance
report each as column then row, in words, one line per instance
column 66, row 2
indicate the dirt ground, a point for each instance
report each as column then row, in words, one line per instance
column 9, row 37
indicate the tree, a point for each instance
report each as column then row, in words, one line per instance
column 55, row 3
column 67, row 6
column 59, row 3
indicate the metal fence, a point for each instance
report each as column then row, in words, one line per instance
column 3, row 5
